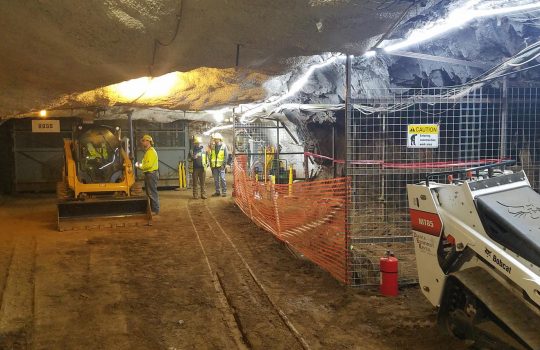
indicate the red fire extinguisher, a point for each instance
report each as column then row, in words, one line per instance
column 389, row 274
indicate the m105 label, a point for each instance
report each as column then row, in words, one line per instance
column 425, row 222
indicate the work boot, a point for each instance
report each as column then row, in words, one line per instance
column 203, row 196
column 224, row 195
column 195, row 196
column 216, row 194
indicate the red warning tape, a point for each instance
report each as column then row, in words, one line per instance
column 420, row 165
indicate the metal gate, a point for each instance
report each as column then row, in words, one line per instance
column 384, row 154
column 38, row 157
column 171, row 143
column 270, row 149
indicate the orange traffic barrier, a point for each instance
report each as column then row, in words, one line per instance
column 312, row 221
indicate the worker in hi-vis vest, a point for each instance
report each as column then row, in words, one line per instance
column 198, row 162
column 98, row 153
column 150, row 165
column 218, row 158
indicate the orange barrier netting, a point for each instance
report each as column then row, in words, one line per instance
column 308, row 216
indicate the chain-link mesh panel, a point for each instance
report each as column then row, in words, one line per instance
column 393, row 140
column 521, row 134
column 390, row 145
column 271, row 150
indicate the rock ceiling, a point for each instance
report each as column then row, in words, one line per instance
column 53, row 49
column 76, row 55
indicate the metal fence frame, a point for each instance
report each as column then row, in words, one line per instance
column 171, row 143
column 476, row 127
column 251, row 139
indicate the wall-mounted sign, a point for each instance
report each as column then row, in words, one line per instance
column 46, row 125
column 422, row 135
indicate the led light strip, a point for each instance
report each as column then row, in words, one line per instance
column 457, row 18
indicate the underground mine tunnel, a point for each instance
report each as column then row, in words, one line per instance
column 308, row 174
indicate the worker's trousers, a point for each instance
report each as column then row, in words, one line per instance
column 219, row 179
column 150, row 185
column 199, row 175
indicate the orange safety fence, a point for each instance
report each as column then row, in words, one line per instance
column 308, row 216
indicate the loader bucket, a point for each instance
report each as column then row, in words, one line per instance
column 98, row 213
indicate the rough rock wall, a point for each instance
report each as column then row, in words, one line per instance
column 489, row 40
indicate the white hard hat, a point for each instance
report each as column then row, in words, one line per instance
column 217, row 136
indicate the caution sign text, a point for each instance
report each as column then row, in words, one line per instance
column 422, row 135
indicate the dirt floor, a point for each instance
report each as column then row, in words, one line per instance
column 201, row 277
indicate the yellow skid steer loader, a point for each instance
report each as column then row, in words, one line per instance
column 98, row 188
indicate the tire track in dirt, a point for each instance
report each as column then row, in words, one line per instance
column 306, row 293
column 17, row 307
column 328, row 314
column 73, row 292
column 126, row 288
column 224, row 306
column 106, row 294
column 262, row 323
column 169, row 294
column 161, row 285
column 6, row 256
column 81, row 293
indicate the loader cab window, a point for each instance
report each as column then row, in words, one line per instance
column 98, row 152
column 100, row 156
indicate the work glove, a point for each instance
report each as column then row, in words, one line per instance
column 137, row 165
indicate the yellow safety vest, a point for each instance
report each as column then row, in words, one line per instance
column 150, row 161
column 217, row 161
column 204, row 161
column 99, row 152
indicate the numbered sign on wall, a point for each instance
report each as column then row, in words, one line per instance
column 45, row 125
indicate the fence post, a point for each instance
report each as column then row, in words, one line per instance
column 276, row 209
column 290, row 180
column 347, row 155
column 251, row 195
column 181, row 175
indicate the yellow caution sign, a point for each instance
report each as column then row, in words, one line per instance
column 430, row 129
column 423, row 135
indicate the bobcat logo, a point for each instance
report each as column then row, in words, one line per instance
column 519, row 211
column 488, row 252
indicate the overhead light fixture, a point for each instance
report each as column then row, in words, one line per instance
column 146, row 87
column 295, row 87
column 218, row 117
column 219, row 114
column 43, row 113
column 370, row 53
column 216, row 128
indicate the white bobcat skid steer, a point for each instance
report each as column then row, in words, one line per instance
column 477, row 245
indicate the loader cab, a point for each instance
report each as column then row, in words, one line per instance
column 96, row 149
